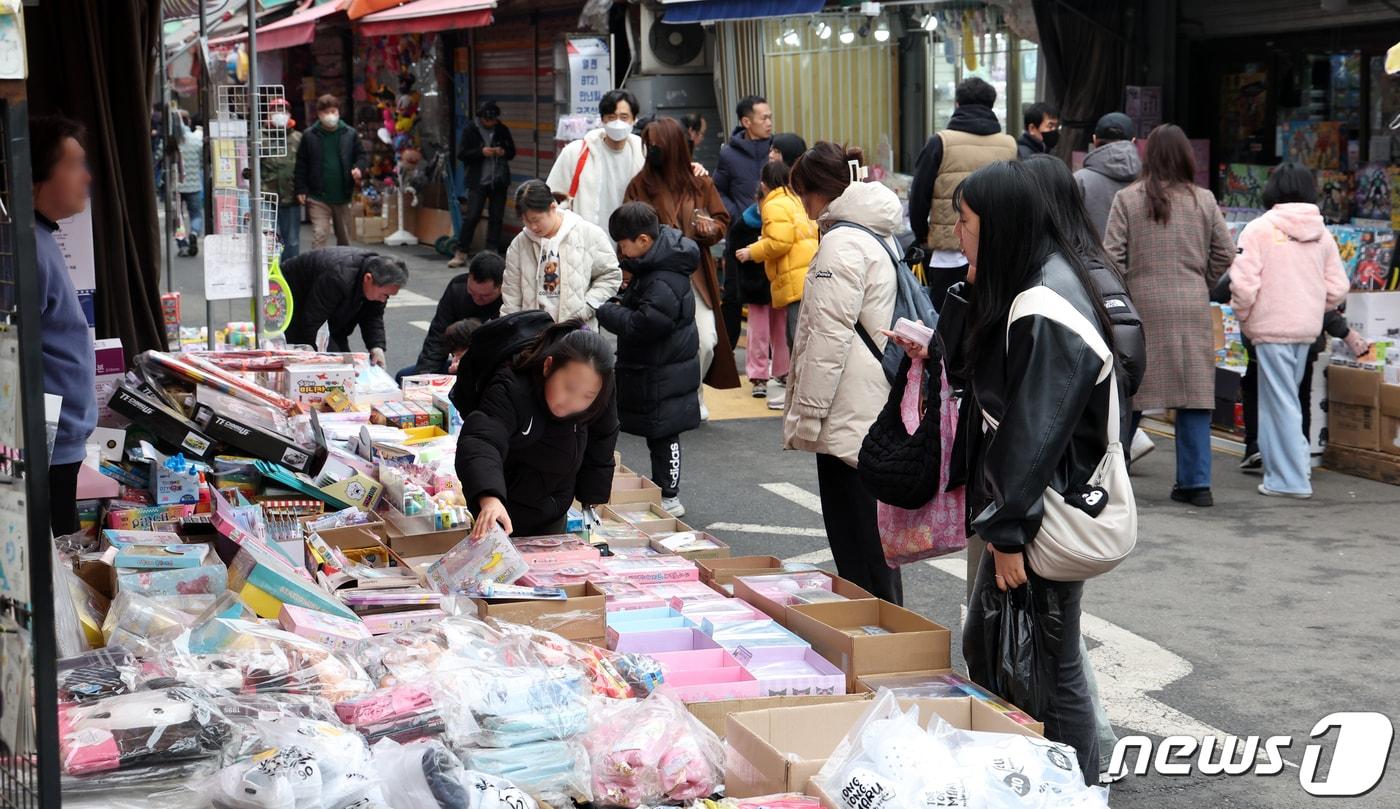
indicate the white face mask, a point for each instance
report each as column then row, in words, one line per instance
column 330, row 120
column 281, row 119
column 617, row 131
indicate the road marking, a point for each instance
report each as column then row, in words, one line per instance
column 408, row 297
column 421, row 324
column 777, row 530
column 1128, row 665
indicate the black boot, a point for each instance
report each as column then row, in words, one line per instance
column 194, row 247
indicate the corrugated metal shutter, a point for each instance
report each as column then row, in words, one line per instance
column 1212, row 19
column 824, row 90
column 739, row 65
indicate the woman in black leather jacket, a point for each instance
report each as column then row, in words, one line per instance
column 1039, row 381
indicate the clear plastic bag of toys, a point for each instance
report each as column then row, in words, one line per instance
column 553, row 772
column 652, row 751
column 291, row 762
column 426, row 775
column 154, row 728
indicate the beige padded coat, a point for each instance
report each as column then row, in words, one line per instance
column 836, row 387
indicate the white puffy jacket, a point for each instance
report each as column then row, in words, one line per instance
column 836, row 387
column 588, row 274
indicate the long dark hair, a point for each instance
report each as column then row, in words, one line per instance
column 568, row 342
column 674, row 176
column 1169, row 164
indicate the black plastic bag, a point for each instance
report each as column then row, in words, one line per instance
column 1022, row 631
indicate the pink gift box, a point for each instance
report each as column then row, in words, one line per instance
column 784, row 671
column 682, row 593
column 719, row 611
column 664, row 640
column 332, row 631
column 706, row 675
column 561, row 574
column 384, row 623
column 625, row 595
column 659, row 570
column 553, row 550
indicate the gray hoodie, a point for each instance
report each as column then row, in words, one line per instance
column 1107, row 169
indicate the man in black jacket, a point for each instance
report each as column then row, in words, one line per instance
column 487, row 149
column 475, row 293
column 330, row 163
column 343, row 288
column 1040, row 130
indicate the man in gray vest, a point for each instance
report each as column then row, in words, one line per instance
column 973, row 139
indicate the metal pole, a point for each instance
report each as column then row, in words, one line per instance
column 205, row 88
column 165, row 167
column 255, row 179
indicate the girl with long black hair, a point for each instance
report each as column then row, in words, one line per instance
column 1037, row 418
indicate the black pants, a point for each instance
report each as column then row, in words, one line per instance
column 939, row 279
column 1069, row 719
column 63, row 498
column 853, row 531
column 493, row 199
column 1249, row 397
column 731, row 308
column 666, row 464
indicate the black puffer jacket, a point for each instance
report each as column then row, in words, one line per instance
column 328, row 287
column 753, row 277
column 658, row 346
column 1051, row 410
column 511, row 447
column 456, row 304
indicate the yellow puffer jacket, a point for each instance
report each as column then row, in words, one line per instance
column 789, row 242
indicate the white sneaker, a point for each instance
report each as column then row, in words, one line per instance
column 777, row 396
column 704, row 412
column 672, row 506
column 1142, row 445
column 1267, row 492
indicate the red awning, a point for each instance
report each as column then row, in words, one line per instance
column 427, row 16
column 288, row 32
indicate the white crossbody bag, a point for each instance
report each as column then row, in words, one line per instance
column 1078, row 542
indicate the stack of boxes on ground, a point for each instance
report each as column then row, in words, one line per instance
column 277, row 605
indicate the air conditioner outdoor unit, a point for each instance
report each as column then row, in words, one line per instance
column 669, row 48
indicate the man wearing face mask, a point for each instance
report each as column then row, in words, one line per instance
column 279, row 177
column 329, row 166
column 1040, row 130
column 591, row 174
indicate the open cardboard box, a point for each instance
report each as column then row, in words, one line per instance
column 720, row 573
column 692, row 545
column 1353, row 407
column 363, row 542
column 634, row 489
column 914, row 643
column 873, row 683
column 651, row 519
column 779, row 612
column 786, row 747
column 421, row 550
column 580, row 617
column 715, row 715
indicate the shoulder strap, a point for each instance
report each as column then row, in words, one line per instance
column 860, row 327
column 578, row 170
column 877, row 237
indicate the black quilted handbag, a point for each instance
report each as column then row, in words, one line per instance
column 898, row 468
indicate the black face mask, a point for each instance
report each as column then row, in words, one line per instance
column 1051, row 138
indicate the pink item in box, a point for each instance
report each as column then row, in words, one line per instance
column 332, row 631
column 781, row 588
column 659, row 570
column 665, row 640
column 384, row 623
column 626, row 595
column 706, row 675
column 791, row 671
column 553, row 550
column 719, row 611
column 561, row 574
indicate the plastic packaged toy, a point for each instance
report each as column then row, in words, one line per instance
column 653, row 751
column 143, row 728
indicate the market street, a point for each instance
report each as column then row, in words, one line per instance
column 1255, row 617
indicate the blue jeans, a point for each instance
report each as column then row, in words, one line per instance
column 1193, row 449
column 1281, row 442
column 194, row 210
column 289, row 230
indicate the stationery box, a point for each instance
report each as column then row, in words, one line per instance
column 774, row 594
column 163, row 423
column 269, row 581
column 563, row 574
column 942, row 684
column 554, row 549
column 632, row 617
column 650, row 518
column 208, row 579
column 841, row 633
column 718, row 611
column 634, row 490
column 785, row 747
column 310, row 384
column 619, row 535
column 706, row 675
column 116, row 538
column 365, row 602
column 665, row 640
column 384, row 623
column 329, row 630
column 160, row 557
column 657, row 570
column 691, row 545
column 619, row 636
column 684, row 593
column 622, row 595
column 580, row 617
column 790, row 670
column 428, row 383
column 259, row 440
column 749, row 635
column 451, row 419
column 723, row 570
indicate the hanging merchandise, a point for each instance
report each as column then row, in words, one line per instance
column 969, row 41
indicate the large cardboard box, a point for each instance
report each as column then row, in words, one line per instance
column 421, row 550
column 1374, row 314
column 779, row 612
column 581, row 617
column 1353, row 407
column 781, row 749
column 714, row 715
column 912, row 642
column 720, row 573
column 873, row 683
column 1390, row 419
column 634, row 490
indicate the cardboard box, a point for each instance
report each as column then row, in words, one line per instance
column 1374, row 315
column 914, row 643
column 1390, row 419
column 706, row 675
column 778, row 612
column 428, row 224
column 371, row 229
column 951, row 684
column 714, row 715
column 1353, row 407
column 782, row 670
column 786, row 747
column 634, row 490
column 692, row 545
column 580, row 617
column 723, row 571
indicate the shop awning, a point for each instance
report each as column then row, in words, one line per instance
column 427, row 16
column 683, row 11
column 297, row 29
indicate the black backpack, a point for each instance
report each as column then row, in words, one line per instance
column 494, row 344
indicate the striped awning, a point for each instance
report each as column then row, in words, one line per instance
column 427, row 16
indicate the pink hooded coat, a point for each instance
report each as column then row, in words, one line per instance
column 1287, row 273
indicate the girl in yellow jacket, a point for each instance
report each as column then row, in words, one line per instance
column 789, row 242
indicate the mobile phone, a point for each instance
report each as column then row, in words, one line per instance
column 911, row 330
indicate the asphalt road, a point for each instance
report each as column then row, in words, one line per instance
column 1255, row 617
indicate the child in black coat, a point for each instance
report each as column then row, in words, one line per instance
column 658, row 346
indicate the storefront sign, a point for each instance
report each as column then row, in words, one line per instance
column 74, row 237
column 590, row 74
